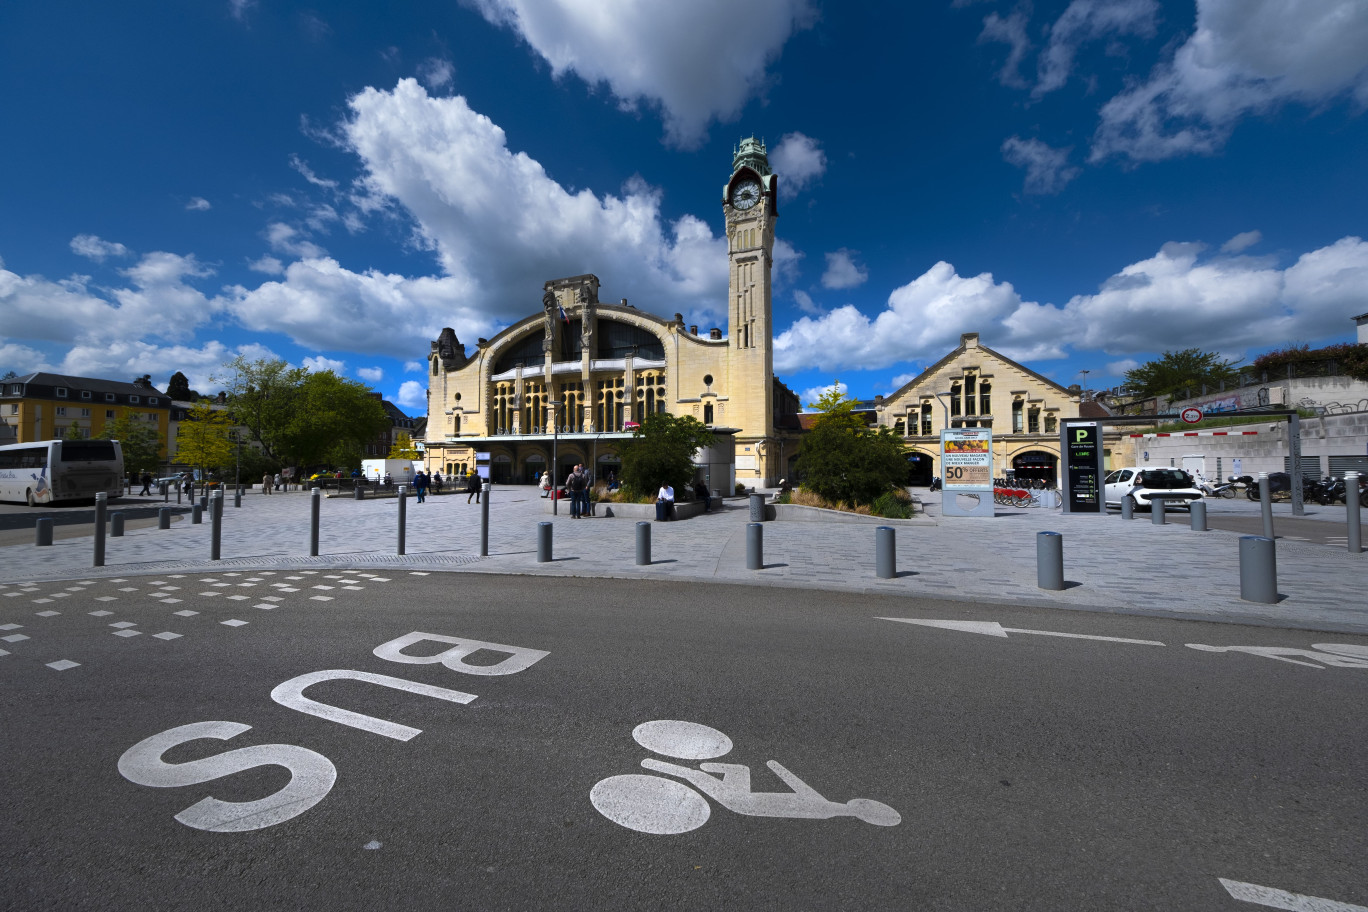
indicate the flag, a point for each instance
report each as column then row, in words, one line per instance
column 563, row 315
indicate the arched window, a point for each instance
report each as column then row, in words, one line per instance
column 618, row 340
column 1017, row 406
column 525, row 352
column 926, row 419
column 503, row 408
column 650, row 394
column 955, row 391
column 608, row 405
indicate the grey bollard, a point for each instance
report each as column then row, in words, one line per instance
column 196, row 514
column 215, row 524
column 101, row 504
column 1197, row 516
column 178, row 494
column 403, row 516
column 204, row 499
column 1266, row 505
column 1351, row 502
column 1258, row 569
column 1158, row 513
column 164, row 518
column 116, row 525
column 643, row 543
column 755, row 546
column 484, row 519
column 757, row 508
column 885, row 552
column 237, row 496
column 166, row 493
column 42, row 533
column 1050, row 561
column 544, row 542
column 1128, row 507
column 358, row 493
column 316, row 498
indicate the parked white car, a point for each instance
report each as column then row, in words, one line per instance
column 1142, row 481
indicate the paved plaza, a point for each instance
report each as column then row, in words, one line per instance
column 1110, row 564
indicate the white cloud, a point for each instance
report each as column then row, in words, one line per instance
column 1047, row 169
column 1084, row 21
column 240, row 8
column 412, row 395
column 97, row 249
column 436, row 73
column 1010, row 31
column 842, row 271
column 267, row 264
column 413, row 367
column 308, row 174
column 902, row 380
column 317, row 364
column 370, row 374
column 799, row 160
column 21, row 358
column 806, row 304
column 500, row 226
column 1176, row 299
column 808, row 397
column 127, row 359
column 1241, row 242
column 698, row 61
column 1245, row 57
column 198, row 204
column 288, row 240
column 1122, row 367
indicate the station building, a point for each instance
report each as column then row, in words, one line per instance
column 577, row 376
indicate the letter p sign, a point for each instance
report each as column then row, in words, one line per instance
column 1080, row 435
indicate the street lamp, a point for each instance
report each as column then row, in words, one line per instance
column 555, row 405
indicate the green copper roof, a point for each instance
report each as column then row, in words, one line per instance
column 751, row 154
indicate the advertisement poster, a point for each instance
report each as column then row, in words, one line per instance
column 967, row 459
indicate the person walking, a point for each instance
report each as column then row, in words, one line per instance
column 146, row 480
column 576, row 483
column 420, row 486
column 472, row 487
column 267, row 483
column 437, row 482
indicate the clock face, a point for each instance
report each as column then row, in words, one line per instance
column 745, row 194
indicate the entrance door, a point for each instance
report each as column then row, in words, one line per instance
column 1036, row 467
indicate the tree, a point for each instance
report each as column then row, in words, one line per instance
column 843, row 460
column 140, row 442
column 661, row 452
column 262, row 397
column 73, row 432
column 178, row 388
column 1178, row 374
column 204, row 439
column 403, row 447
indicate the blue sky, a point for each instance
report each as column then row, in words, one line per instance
column 1085, row 183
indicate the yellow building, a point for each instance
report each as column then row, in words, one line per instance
column 609, row 365
column 43, row 406
column 974, row 386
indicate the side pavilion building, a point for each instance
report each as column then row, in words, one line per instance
column 610, row 365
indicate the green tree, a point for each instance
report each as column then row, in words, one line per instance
column 204, row 438
column 403, row 447
column 844, row 460
column 73, row 432
column 662, row 451
column 139, row 440
column 1176, row 373
column 263, row 397
column 178, row 388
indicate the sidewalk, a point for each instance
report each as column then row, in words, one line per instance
column 1110, row 564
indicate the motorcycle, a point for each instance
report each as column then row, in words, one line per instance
column 1208, row 489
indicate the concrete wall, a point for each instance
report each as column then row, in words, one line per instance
column 1264, row 450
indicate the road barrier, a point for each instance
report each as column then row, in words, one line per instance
column 1050, row 560
column 1258, row 568
column 643, row 543
column 885, row 552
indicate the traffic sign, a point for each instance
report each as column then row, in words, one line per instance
column 1191, row 414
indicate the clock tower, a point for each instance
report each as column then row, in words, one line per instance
column 749, row 204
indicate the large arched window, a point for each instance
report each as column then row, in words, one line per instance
column 525, row 352
column 618, row 340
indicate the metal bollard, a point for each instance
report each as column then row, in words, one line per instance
column 215, row 524
column 885, row 552
column 237, row 496
column 484, row 519
column 1128, row 507
column 316, row 497
column 1266, row 505
column 204, row 499
column 178, row 494
column 757, row 508
column 164, row 518
column 166, row 493
column 42, row 530
column 1258, row 569
column 196, row 514
column 544, row 542
column 1197, row 516
column 358, row 493
column 116, row 525
column 101, row 504
column 403, row 515
column 1050, row 560
column 755, row 546
column 1351, row 506
column 643, row 543
column 1158, row 514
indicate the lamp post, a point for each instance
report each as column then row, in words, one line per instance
column 555, row 405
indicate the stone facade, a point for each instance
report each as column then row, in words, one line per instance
column 985, row 389
column 610, row 365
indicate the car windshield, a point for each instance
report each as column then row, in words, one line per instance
column 1164, row 479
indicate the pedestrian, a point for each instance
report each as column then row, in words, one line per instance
column 665, row 500
column 146, row 480
column 472, row 487
column 577, row 483
column 267, row 483
column 389, row 480
column 546, row 484
column 437, row 482
column 701, row 490
column 279, row 480
column 420, row 486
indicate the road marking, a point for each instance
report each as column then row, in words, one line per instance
column 10, row 626
column 166, row 635
column 127, row 633
column 1281, row 899
column 123, row 624
column 233, row 623
column 14, row 638
column 48, row 614
column 63, row 664
column 186, row 613
column 993, row 628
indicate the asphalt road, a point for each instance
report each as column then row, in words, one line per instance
column 1024, row 771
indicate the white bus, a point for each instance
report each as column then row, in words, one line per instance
column 49, row 471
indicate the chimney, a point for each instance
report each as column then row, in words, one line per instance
column 693, row 330
column 714, row 333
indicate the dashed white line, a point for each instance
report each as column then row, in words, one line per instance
column 63, row 664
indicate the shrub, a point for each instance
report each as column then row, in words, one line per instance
column 890, row 506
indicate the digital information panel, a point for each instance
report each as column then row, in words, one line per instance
column 1082, row 444
column 967, row 469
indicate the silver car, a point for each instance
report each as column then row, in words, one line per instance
column 1142, row 481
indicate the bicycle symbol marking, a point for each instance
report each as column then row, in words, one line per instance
column 661, row 806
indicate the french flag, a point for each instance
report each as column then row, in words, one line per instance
column 563, row 316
